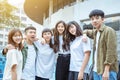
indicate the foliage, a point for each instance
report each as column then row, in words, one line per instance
column 7, row 15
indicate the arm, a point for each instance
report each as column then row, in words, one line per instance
column 89, row 33
column 12, row 60
column 85, row 62
column 111, row 54
column 14, row 72
column 8, row 47
column 105, row 75
column 111, row 47
column 86, row 51
column 43, row 41
column 38, row 44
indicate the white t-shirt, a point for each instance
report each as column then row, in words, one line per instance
column 61, row 51
column 60, row 43
column 77, row 50
column 29, row 69
column 95, row 55
column 13, row 57
column 45, row 60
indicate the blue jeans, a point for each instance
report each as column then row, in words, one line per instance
column 112, row 76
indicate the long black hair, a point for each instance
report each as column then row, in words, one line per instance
column 71, row 37
column 56, row 38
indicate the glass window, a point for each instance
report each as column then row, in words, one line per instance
column 23, row 19
column 6, row 36
column 1, row 35
column 1, row 43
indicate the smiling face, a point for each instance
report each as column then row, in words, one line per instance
column 97, row 21
column 17, row 38
column 30, row 35
column 47, row 36
column 72, row 29
column 60, row 28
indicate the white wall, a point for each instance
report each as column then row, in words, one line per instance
column 108, row 6
column 81, row 11
column 65, row 14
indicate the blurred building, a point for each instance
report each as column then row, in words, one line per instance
column 48, row 12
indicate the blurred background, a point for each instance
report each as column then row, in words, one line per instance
column 46, row 13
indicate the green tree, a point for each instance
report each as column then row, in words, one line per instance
column 7, row 16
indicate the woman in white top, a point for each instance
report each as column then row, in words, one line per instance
column 61, row 47
column 13, row 66
column 45, row 57
column 80, row 52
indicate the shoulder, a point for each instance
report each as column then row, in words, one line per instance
column 82, row 37
column 12, row 51
column 25, row 45
column 109, row 32
column 109, row 29
column 37, row 42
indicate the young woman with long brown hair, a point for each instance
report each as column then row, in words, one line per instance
column 61, row 47
column 80, row 52
column 14, row 59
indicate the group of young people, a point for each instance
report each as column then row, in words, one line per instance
column 67, row 47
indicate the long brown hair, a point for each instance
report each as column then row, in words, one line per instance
column 56, row 38
column 10, row 38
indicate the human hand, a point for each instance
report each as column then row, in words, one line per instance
column 105, row 75
column 84, row 38
column 10, row 46
column 43, row 41
column 36, row 39
column 80, row 75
